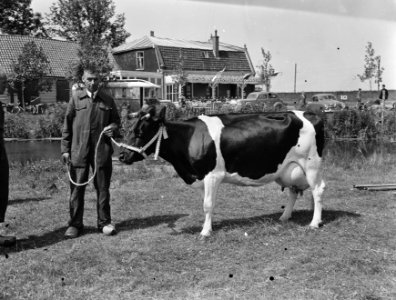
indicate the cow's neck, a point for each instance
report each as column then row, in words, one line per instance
column 174, row 149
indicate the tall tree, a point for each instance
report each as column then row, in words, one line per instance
column 16, row 17
column 265, row 70
column 180, row 76
column 372, row 67
column 88, row 20
column 32, row 66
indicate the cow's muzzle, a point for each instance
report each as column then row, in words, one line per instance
column 129, row 157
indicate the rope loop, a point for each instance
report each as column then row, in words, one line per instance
column 158, row 136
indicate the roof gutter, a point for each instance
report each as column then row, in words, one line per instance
column 249, row 60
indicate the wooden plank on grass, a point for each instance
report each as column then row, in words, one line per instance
column 389, row 186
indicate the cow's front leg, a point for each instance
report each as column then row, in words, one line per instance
column 317, row 192
column 289, row 206
column 211, row 183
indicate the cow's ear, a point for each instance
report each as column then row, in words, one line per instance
column 162, row 114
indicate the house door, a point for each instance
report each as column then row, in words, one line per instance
column 62, row 90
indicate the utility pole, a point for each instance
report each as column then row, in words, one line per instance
column 295, row 76
column 379, row 73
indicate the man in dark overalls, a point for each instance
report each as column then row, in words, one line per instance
column 90, row 112
column 4, row 181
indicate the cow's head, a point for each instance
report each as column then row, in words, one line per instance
column 145, row 125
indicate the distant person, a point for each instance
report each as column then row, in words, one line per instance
column 4, row 184
column 359, row 99
column 89, row 113
column 303, row 101
column 383, row 94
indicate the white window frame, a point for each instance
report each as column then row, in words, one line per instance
column 139, row 60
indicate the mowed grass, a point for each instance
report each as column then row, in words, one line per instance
column 158, row 254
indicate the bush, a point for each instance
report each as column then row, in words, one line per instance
column 26, row 125
column 16, row 126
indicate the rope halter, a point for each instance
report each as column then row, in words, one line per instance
column 158, row 136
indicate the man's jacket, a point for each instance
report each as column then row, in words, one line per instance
column 383, row 94
column 84, row 121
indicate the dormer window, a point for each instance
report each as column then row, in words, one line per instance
column 140, row 60
column 205, row 54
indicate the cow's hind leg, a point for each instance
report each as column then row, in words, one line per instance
column 290, row 204
column 212, row 183
column 317, row 186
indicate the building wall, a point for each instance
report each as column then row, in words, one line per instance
column 128, row 60
column 48, row 97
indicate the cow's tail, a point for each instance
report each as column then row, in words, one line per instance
column 318, row 124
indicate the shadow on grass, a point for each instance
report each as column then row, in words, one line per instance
column 56, row 236
column 149, row 222
column 300, row 217
column 25, row 200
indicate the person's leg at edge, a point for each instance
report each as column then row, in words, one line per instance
column 76, row 203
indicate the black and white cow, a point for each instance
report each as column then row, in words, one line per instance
column 243, row 149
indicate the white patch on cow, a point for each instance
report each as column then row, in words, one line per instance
column 214, row 178
column 215, row 126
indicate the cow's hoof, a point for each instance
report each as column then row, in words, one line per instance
column 284, row 219
column 315, row 226
column 204, row 237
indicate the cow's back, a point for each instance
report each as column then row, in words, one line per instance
column 254, row 145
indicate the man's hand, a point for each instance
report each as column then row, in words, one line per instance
column 66, row 158
column 108, row 130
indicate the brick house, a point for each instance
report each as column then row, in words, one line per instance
column 165, row 62
column 61, row 55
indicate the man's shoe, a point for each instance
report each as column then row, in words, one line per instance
column 72, row 232
column 7, row 241
column 109, row 230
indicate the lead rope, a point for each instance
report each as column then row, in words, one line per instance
column 161, row 133
column 94, row 173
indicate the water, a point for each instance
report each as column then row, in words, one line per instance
column 35, row 151
column 347, row 150
column 32, row 150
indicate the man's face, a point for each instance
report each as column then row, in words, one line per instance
column 91, row 81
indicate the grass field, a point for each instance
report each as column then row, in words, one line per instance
column 158, row 255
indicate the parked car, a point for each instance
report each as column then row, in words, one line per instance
column 325, row 103
column 262, row 100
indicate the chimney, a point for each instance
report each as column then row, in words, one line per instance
column 215, row 42
column 151, row 33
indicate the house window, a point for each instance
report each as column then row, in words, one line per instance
column 171, row 92
column 140, row 60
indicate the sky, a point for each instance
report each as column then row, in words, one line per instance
column 316, row 45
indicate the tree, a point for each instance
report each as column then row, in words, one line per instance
column 265, row 70
column 91, row 21
column 32, row 66
column 372, row 67
column 16, row 17
column 180, row 76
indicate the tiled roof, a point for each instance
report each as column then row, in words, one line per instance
column 193, row 59
column 151, row 41
column 60, row 53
